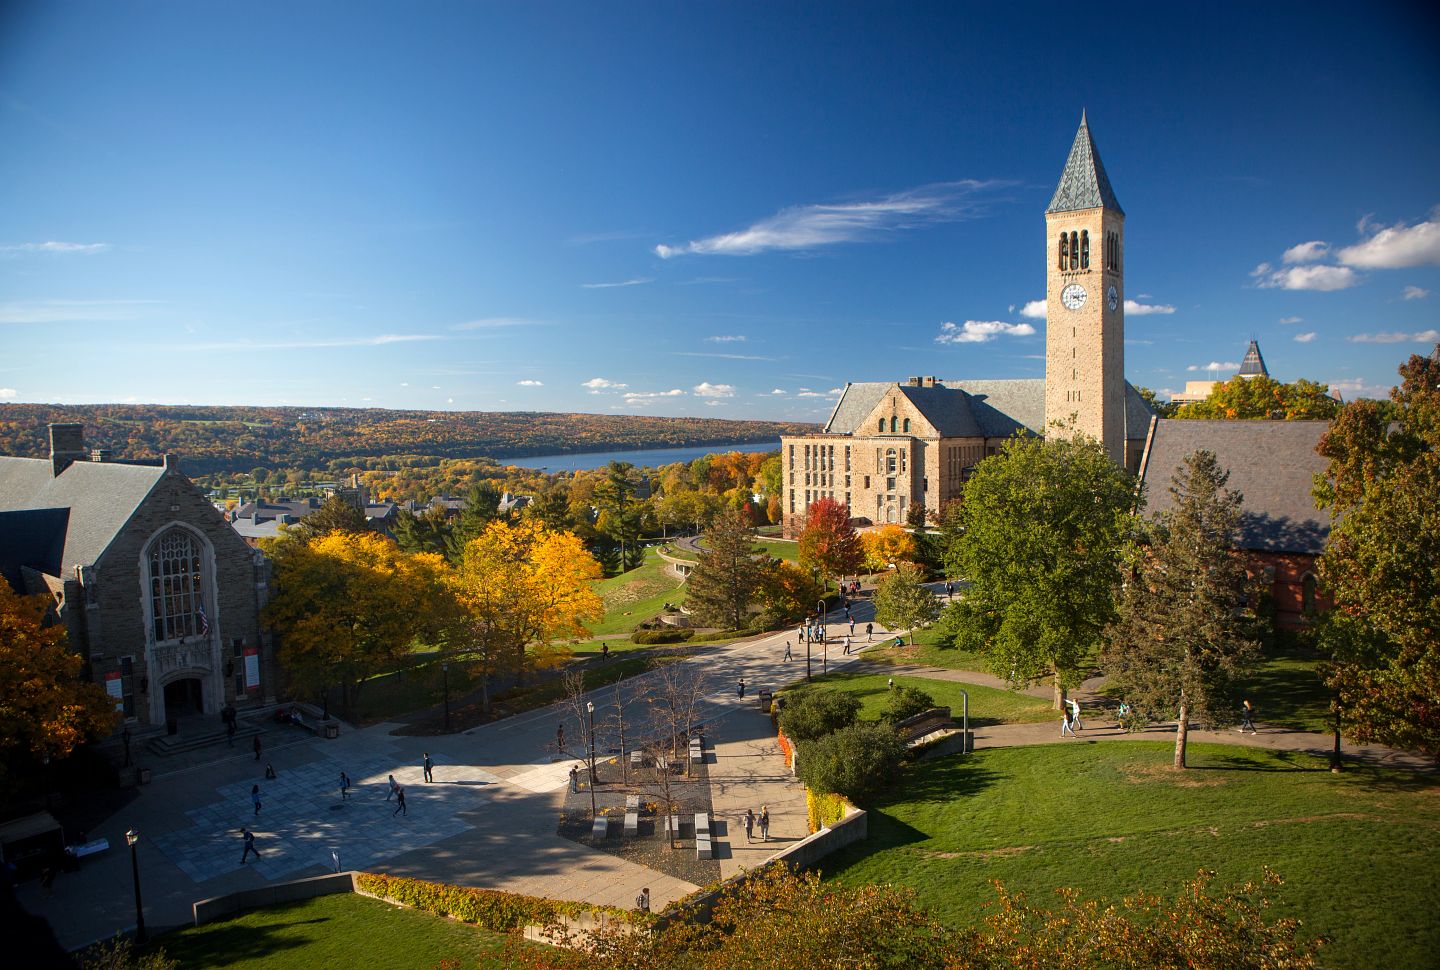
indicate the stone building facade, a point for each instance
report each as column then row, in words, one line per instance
column 157, row 592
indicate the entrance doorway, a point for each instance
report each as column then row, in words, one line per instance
column 183, row 698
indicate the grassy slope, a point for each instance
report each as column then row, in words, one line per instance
column 335, row 931
column 637, row 595
column 1357, row 850
column 987, row 705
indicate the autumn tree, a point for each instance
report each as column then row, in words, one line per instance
column 1185, row 632
column 335, row 514
column 829, row 543
column 1041, row 529
column 482, row 506
column 1381, row 562
column 726, row 580
column 787, row 592
column 518, row 584
column 887, row 545
column 902, row 602
column 1263, row 398
column 350, row 605
column 47, row 708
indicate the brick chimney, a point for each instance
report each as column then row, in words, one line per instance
column 67, row 445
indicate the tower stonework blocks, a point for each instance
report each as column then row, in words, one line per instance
column 1085, row 389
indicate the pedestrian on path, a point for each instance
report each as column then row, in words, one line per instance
column 429, row 766
column 1247, row 713
column 852, row 626
column 257, row 747
column 1065, row 726
column 560, row 738
column 270, row 772
column 249, row 837
column 335, row 858
column 890, row 683
column 255, row 797
column 869, row 629
column 740, row 688
column 847, row 646
column 400, row 797
column 949, row 590
column 604, row 651
column 749, row 823
column 764, row 823
column 394, row 786
column 574, row 778
column 1075, row 714
column 344, row 786
column 642, row 901
column 787, row 650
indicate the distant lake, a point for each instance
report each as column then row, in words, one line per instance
column 643, row 458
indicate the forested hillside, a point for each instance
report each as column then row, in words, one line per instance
column 230, row 439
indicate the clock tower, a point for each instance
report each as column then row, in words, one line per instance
column 1085, row 303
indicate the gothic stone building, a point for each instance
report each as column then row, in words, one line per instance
column 157, row 592
column 888, row 447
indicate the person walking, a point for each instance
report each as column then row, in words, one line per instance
column 429, row 766
column 560, row 738
column 255, row 797
column 344, row 786
column 249, row 837
column 890, row 683
column 847, row 646
column 740, row 688
column 1247, row 714
column 949, row 590
column 400, row 798
column 393, row 786
column 787, row 650
column 604, row 651
column 269, row 772
column 230, row 733
column 1075, row 714
column 335, row 858
column 764, row 823
column 1065, row 725
column 257, row 747
column 642, row 901
column 852, row 626
column 574, row 779
column 749, row 824
column 869, row 629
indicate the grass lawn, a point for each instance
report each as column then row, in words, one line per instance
column 343, row 930
column 1357, row 850
column 987, row 704
column 591, row 648
column 930, row 651
column 637, row 595
column 778, row 548
column 1287, row 692
column 535, row 695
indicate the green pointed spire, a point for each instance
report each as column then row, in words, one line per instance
column 1084, row 184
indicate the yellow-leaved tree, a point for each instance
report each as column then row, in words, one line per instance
column 519, row 584
column 887, row 546
column 350, row 605
column 46, row 708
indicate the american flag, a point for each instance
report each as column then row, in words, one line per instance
column 204, row 623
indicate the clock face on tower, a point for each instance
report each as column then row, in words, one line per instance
column 1112, row 298
column 1073, row 296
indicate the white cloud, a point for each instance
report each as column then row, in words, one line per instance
column 804, row 227
column 1146, row 309
column 980, row 331
column 806, row 392
column 72, row 311
column 1396, row 337
column 651, row 395
column 606, row 286
column 449, row 400
column 706, row 389
column 777, row 392
column 691, row 353
column 1215, row 365
column 714, row 404
column 1292, row 319
column 1035, row 310
column 728, row 339
column 597, row 384
column 380, row 340
column 494, row 323
column 1414, row 293
column 1307, row 252
column 1323, row 278
column 58, row 248
column 1305, row 338
column 1396, row 247
column 7, row 392
column 529, row 384
column 404, row 383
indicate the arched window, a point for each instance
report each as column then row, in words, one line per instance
column 1085, row 249
column 1064, row 251
column 892, row 424
column 906, row 428
column 890, row 461
column 882, row 425
column 1074, row 250
column 176, row 593
column 1307, row 593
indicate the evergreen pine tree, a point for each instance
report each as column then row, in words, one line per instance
column 727, row 578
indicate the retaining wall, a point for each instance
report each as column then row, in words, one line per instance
column 218, row 907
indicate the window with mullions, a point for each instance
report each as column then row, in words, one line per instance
column 175, row 586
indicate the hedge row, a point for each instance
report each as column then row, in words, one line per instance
column 786, row 748
column 823, row 809
column 487, row 908
column 673, row 635
column 727, row 634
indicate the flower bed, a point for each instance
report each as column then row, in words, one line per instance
column 487, row 908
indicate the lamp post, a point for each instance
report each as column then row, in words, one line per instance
column 445, row 669
column 590, row 710
column 131, row 837
column 820, row 614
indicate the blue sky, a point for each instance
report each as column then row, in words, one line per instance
column 723, row 209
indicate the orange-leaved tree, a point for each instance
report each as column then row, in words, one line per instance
column 829, row 543
column 46, row 709
column 887, row 546
column 350, row 605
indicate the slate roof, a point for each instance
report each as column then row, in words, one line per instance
column 969, row 409
column 101, row 497
column 1083, row 183
column 33, row 538
column 1272, row 465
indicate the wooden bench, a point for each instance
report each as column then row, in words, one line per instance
column 93, row 847
column 601, row 828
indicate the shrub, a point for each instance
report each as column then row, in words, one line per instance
column 856, row 761
column 670, row 635
column 812, row 714
column 786, row 748
column 905, row 702
column 486, row 908
column 824, row 809
column 726, row 634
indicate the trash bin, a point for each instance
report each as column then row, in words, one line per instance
column 765, row 697
column 144, row 776
column 332, row 730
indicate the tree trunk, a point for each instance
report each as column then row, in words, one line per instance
column 1059, row 693
column 1182, row 734
column 1336, row 765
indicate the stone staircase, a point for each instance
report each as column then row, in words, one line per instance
column 193, row 737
